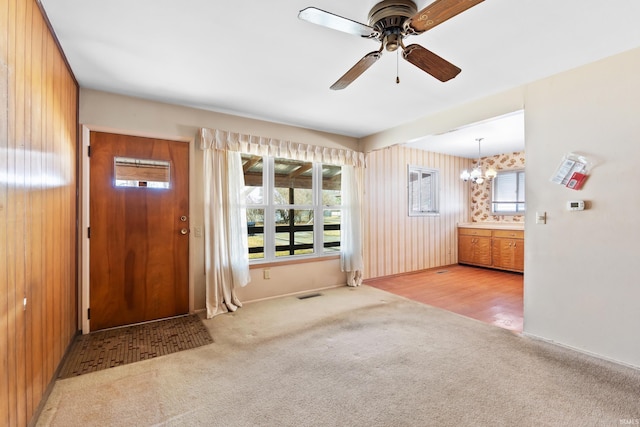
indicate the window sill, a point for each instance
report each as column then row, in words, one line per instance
column 292, row 261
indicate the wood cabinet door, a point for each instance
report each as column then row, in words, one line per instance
column 483, row 251
column 139, row 242
column 508, row 254
column 518, row 255
column 474, row 250
column 465, row 249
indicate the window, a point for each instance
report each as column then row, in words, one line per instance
column 508, row 193
column 130, row 172
column 423, row 191
column 293, row 207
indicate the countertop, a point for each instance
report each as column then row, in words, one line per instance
column 493, row 225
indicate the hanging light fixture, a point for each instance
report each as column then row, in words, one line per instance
column 476, row 175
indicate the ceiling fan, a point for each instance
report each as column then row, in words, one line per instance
column 390, row 21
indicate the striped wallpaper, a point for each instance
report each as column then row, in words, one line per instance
column 395, row 243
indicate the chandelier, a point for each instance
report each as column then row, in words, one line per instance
column 476, row 175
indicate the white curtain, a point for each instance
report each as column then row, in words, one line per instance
column 263, row 146
column 226, row 247
column 351, row 259
column 226, row 233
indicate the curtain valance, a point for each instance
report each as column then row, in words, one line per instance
column 261, row 146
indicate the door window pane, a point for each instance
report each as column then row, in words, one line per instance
column 130, row 172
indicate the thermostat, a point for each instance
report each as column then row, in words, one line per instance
column 576, row 205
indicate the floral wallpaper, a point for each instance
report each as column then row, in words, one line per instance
column 480, row 205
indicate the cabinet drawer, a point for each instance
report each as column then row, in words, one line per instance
column 509, row 234
column 474, row 232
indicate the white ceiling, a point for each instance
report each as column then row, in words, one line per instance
column 504, row 134
column 257, row 59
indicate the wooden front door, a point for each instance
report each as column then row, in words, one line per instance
column 139, row 242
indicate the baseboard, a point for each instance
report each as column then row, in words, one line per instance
column 581, row 351
column 307, row 291
column 407, row 273
column 52, row 382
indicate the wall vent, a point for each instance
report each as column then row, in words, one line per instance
column 307, row 296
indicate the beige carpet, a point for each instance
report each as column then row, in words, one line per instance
column 353, row 357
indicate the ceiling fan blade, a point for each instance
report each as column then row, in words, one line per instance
column 431, row 63
column 335, row 22
column 438, row 12
column 355, row 71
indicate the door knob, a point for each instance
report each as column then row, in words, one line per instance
column 184, row 231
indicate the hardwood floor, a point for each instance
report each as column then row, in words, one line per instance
column 490, row 296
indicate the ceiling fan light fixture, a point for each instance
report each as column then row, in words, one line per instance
column 392, row 42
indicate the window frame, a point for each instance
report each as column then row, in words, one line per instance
column 434, row 191
column 518, row 191
column 269, row 207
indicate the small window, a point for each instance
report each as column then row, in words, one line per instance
column 423, row 191
column 130, row 172
column 508, row 193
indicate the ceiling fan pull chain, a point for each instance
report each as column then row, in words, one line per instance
column 398, row 66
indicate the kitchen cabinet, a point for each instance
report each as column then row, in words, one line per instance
column 495, row 248
column 474, row 246
column 508, row 249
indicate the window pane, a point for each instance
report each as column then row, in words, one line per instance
column 255, row 229
column 253, row 189
column 294, row 243
column 506, row 187
column 293, row 182
column 130, row 172
column 331, row 185
column 508, row 196
column 423, row 191
column 331, row 232
column 521, row 187
column 294, row 232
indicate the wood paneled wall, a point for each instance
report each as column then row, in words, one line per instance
column 396, row 243
column 38, row 140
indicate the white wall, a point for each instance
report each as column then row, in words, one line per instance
column 582, row 285
column 109, row 112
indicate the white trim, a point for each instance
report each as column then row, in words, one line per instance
column 578, row 350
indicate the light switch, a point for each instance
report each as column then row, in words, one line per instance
column 541, row 217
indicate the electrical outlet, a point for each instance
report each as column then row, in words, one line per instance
column 198, row 231
column 266, row 273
